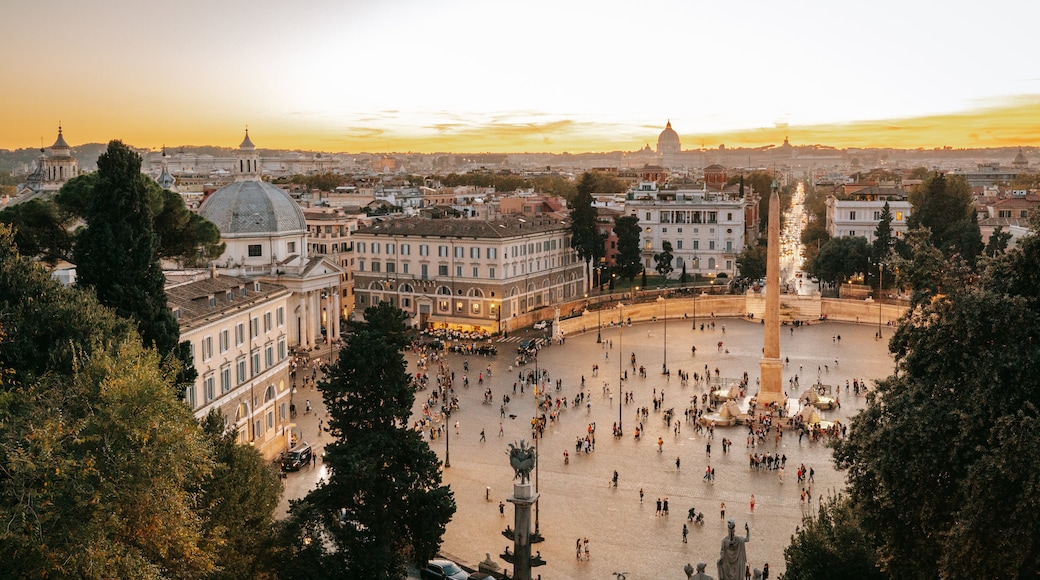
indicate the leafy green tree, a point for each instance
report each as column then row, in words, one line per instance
column 39, row 230
column 840, row 259
column 831, row 544
column 101, row 464
column 968, row 366
column 239, row 499
column 585, row 236
column 752, row 261
column 184, row 235
column 383, row 503
column 628, row 260
column 663, row 260
column 945, row 206
column 116, row 254
column 998, row 242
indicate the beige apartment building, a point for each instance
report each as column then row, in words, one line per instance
column 466, row 273
column 239, row 335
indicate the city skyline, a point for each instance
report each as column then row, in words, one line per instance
column 464, row 76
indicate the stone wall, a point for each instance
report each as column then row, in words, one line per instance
column 792, row 307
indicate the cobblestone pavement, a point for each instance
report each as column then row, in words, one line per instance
column 577, row 499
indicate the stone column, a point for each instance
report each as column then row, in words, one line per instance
column 523, row 498
column 771, row 389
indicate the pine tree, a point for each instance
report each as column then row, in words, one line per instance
column 384, row 503
column 116, row 253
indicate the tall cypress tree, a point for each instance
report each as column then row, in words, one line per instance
column 116, row 253
column 585, row 238
column 384, row 503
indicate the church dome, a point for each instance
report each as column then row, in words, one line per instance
column 253, row 208
column 668, row 141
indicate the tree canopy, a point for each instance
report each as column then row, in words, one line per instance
column 663, row 260
column 628, row 261
column 840, row 259
column 116, row 255
column 383, row 502
column 942, row 462
column 585, row 236
column 752, row 261
column 945, row 206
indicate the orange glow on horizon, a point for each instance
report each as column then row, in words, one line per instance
column 1014, row 123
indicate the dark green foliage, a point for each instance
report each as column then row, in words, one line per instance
column 184, row 235
column 48, row 330
column 945, row 206
column 664, row 260
column 752, row 261
column 831, row 545
column 585, row 236
column 39, row 230
column 942, row 463
column 883, row 235
column 100, row 463
column 998, row 242
column 628, row 261
column 841, row 258
column 116, row 254
column 239, row 500
column 383, row 503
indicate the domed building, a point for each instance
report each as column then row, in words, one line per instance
column 669, row 148
column 53, row 168
column 668, row 141
column 265, row 234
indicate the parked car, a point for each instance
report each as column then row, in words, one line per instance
column 443, row 570
column 541, row 325
column 297, row 457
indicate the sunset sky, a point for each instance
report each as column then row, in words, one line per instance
column 506, row 76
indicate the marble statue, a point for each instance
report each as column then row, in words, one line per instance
column 732, row 554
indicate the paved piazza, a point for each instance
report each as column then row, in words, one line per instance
column 577, row 499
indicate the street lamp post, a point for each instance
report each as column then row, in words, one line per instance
column 537, row 434
column 447, row 439
column 664, row 305
column 881, row 286
column 621, row 358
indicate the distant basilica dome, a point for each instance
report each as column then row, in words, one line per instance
column 668, row 141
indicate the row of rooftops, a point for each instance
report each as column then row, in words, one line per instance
column 499, row 227
column 200, row 296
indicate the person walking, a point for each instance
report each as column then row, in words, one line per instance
column 752, row 503
column 677, row 463
column 722, row 511
column 482, row 436
column 577, row 549
column 685, row 531
column 665, row 506
column 658, row 507
column 640, row 495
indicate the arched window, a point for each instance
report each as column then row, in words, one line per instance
column 269, row 394
column 444, row 290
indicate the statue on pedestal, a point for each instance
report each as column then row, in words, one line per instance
column 522, row 459
column 732, row 554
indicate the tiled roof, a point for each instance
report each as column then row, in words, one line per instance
column 193, row 301
column 504, row 227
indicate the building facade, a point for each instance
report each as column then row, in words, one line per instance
column 329, row 232
column 706, row 228
column 265, row 236
column 859, row 215
column 466, row 273
column 238, row 329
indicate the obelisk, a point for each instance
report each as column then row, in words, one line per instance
column 772, row 388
